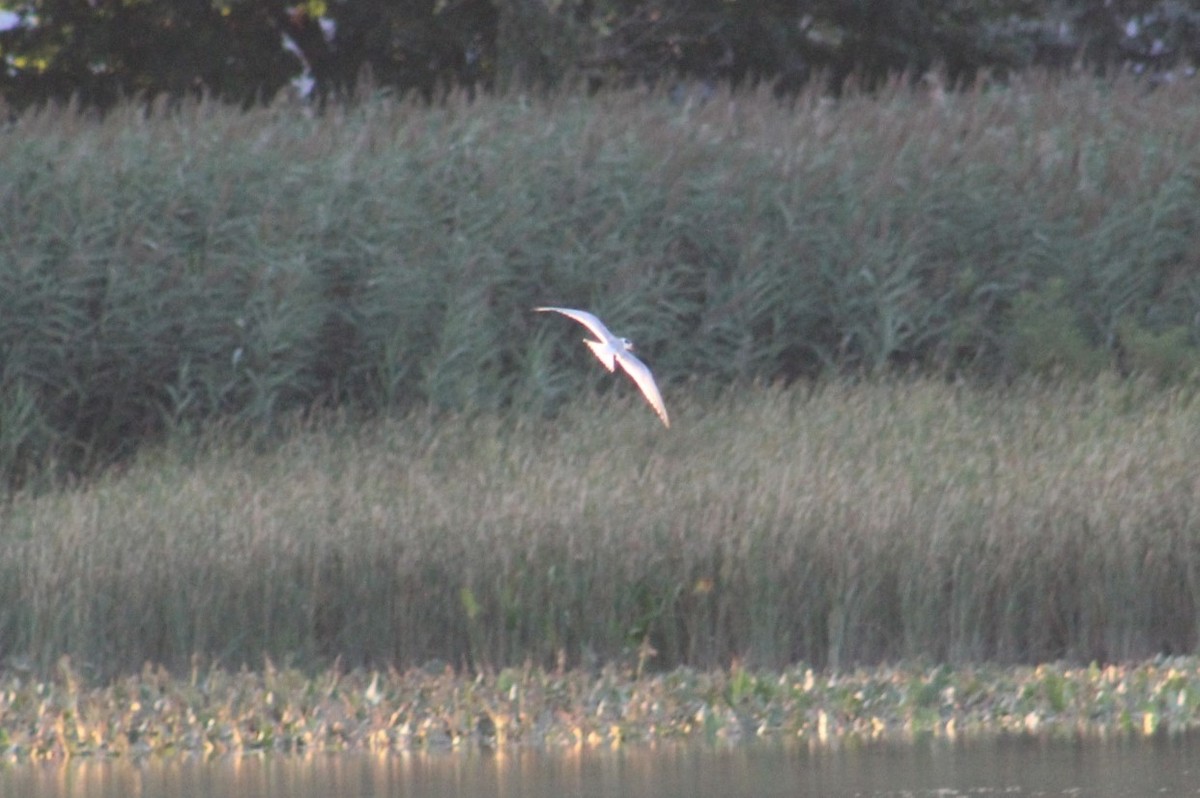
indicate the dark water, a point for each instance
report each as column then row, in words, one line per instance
column 1165, row 766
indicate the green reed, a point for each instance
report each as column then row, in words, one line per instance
column 163, row 270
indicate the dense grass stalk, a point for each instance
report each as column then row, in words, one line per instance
column 162, row 270
column 846, row 524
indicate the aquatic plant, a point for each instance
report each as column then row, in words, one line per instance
column 211, row 711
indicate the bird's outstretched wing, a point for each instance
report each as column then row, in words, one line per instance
column 641, row 375
column 586, row 319
column 604, row 349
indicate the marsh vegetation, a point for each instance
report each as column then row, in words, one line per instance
column 271, row 391
column 171, row 268
column 847, row 523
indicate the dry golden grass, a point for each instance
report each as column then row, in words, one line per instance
column 844, row 524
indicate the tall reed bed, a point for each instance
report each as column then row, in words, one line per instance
column 840, row 525
column 163, row 269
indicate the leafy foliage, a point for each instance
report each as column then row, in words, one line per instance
column 245, row 52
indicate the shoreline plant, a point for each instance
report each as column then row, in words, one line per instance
column 211, row 712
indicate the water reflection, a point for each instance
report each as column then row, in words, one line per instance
column 1162, row 766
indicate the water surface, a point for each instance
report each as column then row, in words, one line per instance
column 1162, row 766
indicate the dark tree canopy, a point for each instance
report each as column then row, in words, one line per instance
column 248, row 51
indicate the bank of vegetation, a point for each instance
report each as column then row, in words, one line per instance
column 837, row 525
column 270, row 386
column 171, row 269
column 212, row 712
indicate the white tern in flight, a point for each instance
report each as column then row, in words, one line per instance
column 612, row 350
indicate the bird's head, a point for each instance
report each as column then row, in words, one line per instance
column 625, row 342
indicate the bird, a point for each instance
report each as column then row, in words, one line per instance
column 611, row 350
